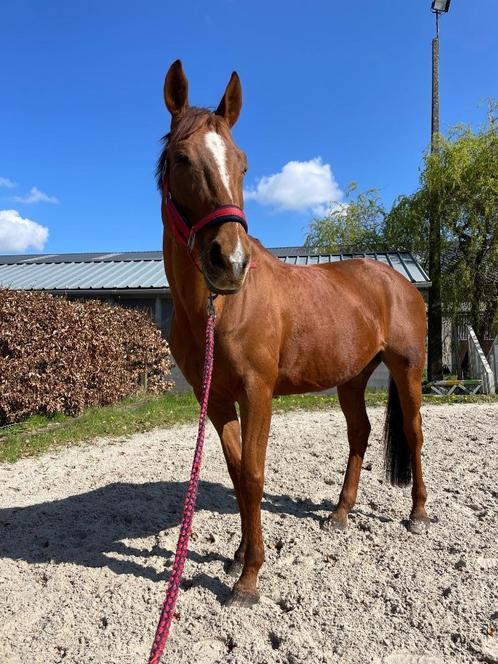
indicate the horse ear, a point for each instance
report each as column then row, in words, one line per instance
column 231, row 103
column 176, row 89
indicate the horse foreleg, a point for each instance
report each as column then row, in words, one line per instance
column 352, row 400
column 255, row 410
column 225, row 420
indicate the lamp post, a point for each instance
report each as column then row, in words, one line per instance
column 435, row 342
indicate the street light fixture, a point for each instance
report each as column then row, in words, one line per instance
column 440, row 6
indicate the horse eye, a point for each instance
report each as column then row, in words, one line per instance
column 244, row 170
column 182, row 158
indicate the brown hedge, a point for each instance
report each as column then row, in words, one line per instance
column 59, row 356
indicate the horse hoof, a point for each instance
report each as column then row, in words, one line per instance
column 234, row 568
column 418, row 526
column 334, row 522
column 242, row 599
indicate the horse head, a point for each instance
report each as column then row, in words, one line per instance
column 201, row 173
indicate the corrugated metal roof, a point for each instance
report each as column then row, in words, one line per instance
column 402, row 261
column 73, row 275
column 95, row 256
column 144, row 270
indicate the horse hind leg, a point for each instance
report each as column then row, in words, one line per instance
column 403, row 435
column 352, row 401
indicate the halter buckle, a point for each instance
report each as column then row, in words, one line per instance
column 191, row 240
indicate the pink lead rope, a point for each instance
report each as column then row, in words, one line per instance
column 168, row 608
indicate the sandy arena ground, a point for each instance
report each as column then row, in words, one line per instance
column 87, row 534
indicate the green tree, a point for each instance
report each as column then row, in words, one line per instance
column 459, row 182
column 407, row 227
column 355, row 225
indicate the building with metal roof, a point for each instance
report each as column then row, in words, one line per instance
column 142, row 272
column 72, row 273
column 138, row 280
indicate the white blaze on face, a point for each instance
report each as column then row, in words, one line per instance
column 216, row 145
column 237, row 255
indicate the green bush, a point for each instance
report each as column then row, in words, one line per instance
column 59, row 356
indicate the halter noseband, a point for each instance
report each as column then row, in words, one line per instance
column 185, row 232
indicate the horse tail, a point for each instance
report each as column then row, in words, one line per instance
column 396, row 451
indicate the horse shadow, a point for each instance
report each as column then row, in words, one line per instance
column 87, row 529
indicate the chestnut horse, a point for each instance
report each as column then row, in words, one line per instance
column 280, row 329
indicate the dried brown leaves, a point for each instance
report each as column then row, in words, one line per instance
column 63, row 356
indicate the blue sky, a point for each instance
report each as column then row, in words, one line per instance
column 342, row 89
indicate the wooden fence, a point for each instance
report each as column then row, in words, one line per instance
column 479, row 366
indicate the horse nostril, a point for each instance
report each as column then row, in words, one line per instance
column 215, row 255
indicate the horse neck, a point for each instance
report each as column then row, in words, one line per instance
column 188, row 289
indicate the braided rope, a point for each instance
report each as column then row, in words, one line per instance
column 175, row 578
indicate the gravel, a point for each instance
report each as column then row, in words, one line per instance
column 87, row 535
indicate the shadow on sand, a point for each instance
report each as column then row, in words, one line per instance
column 84, row 529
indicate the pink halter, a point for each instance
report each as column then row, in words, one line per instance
column 184, row 232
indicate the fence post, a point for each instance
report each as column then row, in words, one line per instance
column 493, row 359
column 479, row 366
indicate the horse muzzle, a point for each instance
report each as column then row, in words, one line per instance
column 224, row 274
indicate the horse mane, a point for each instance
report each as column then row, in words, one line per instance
column 187, row 124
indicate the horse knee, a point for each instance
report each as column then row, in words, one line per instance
column 253, row 480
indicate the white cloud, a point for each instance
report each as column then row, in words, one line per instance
column 299, row 186
column 7, row 183
column 36, row 196
column 18, row 234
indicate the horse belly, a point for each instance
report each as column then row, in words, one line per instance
column 312, row 365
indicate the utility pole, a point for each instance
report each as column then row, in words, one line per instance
column 435, row 341
column 435, row 86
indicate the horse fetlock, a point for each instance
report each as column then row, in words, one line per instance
column 252, row 565
column 239, row 555
column 234, row 568
column 418, row 513
column 347, row 501
column 419, row 496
